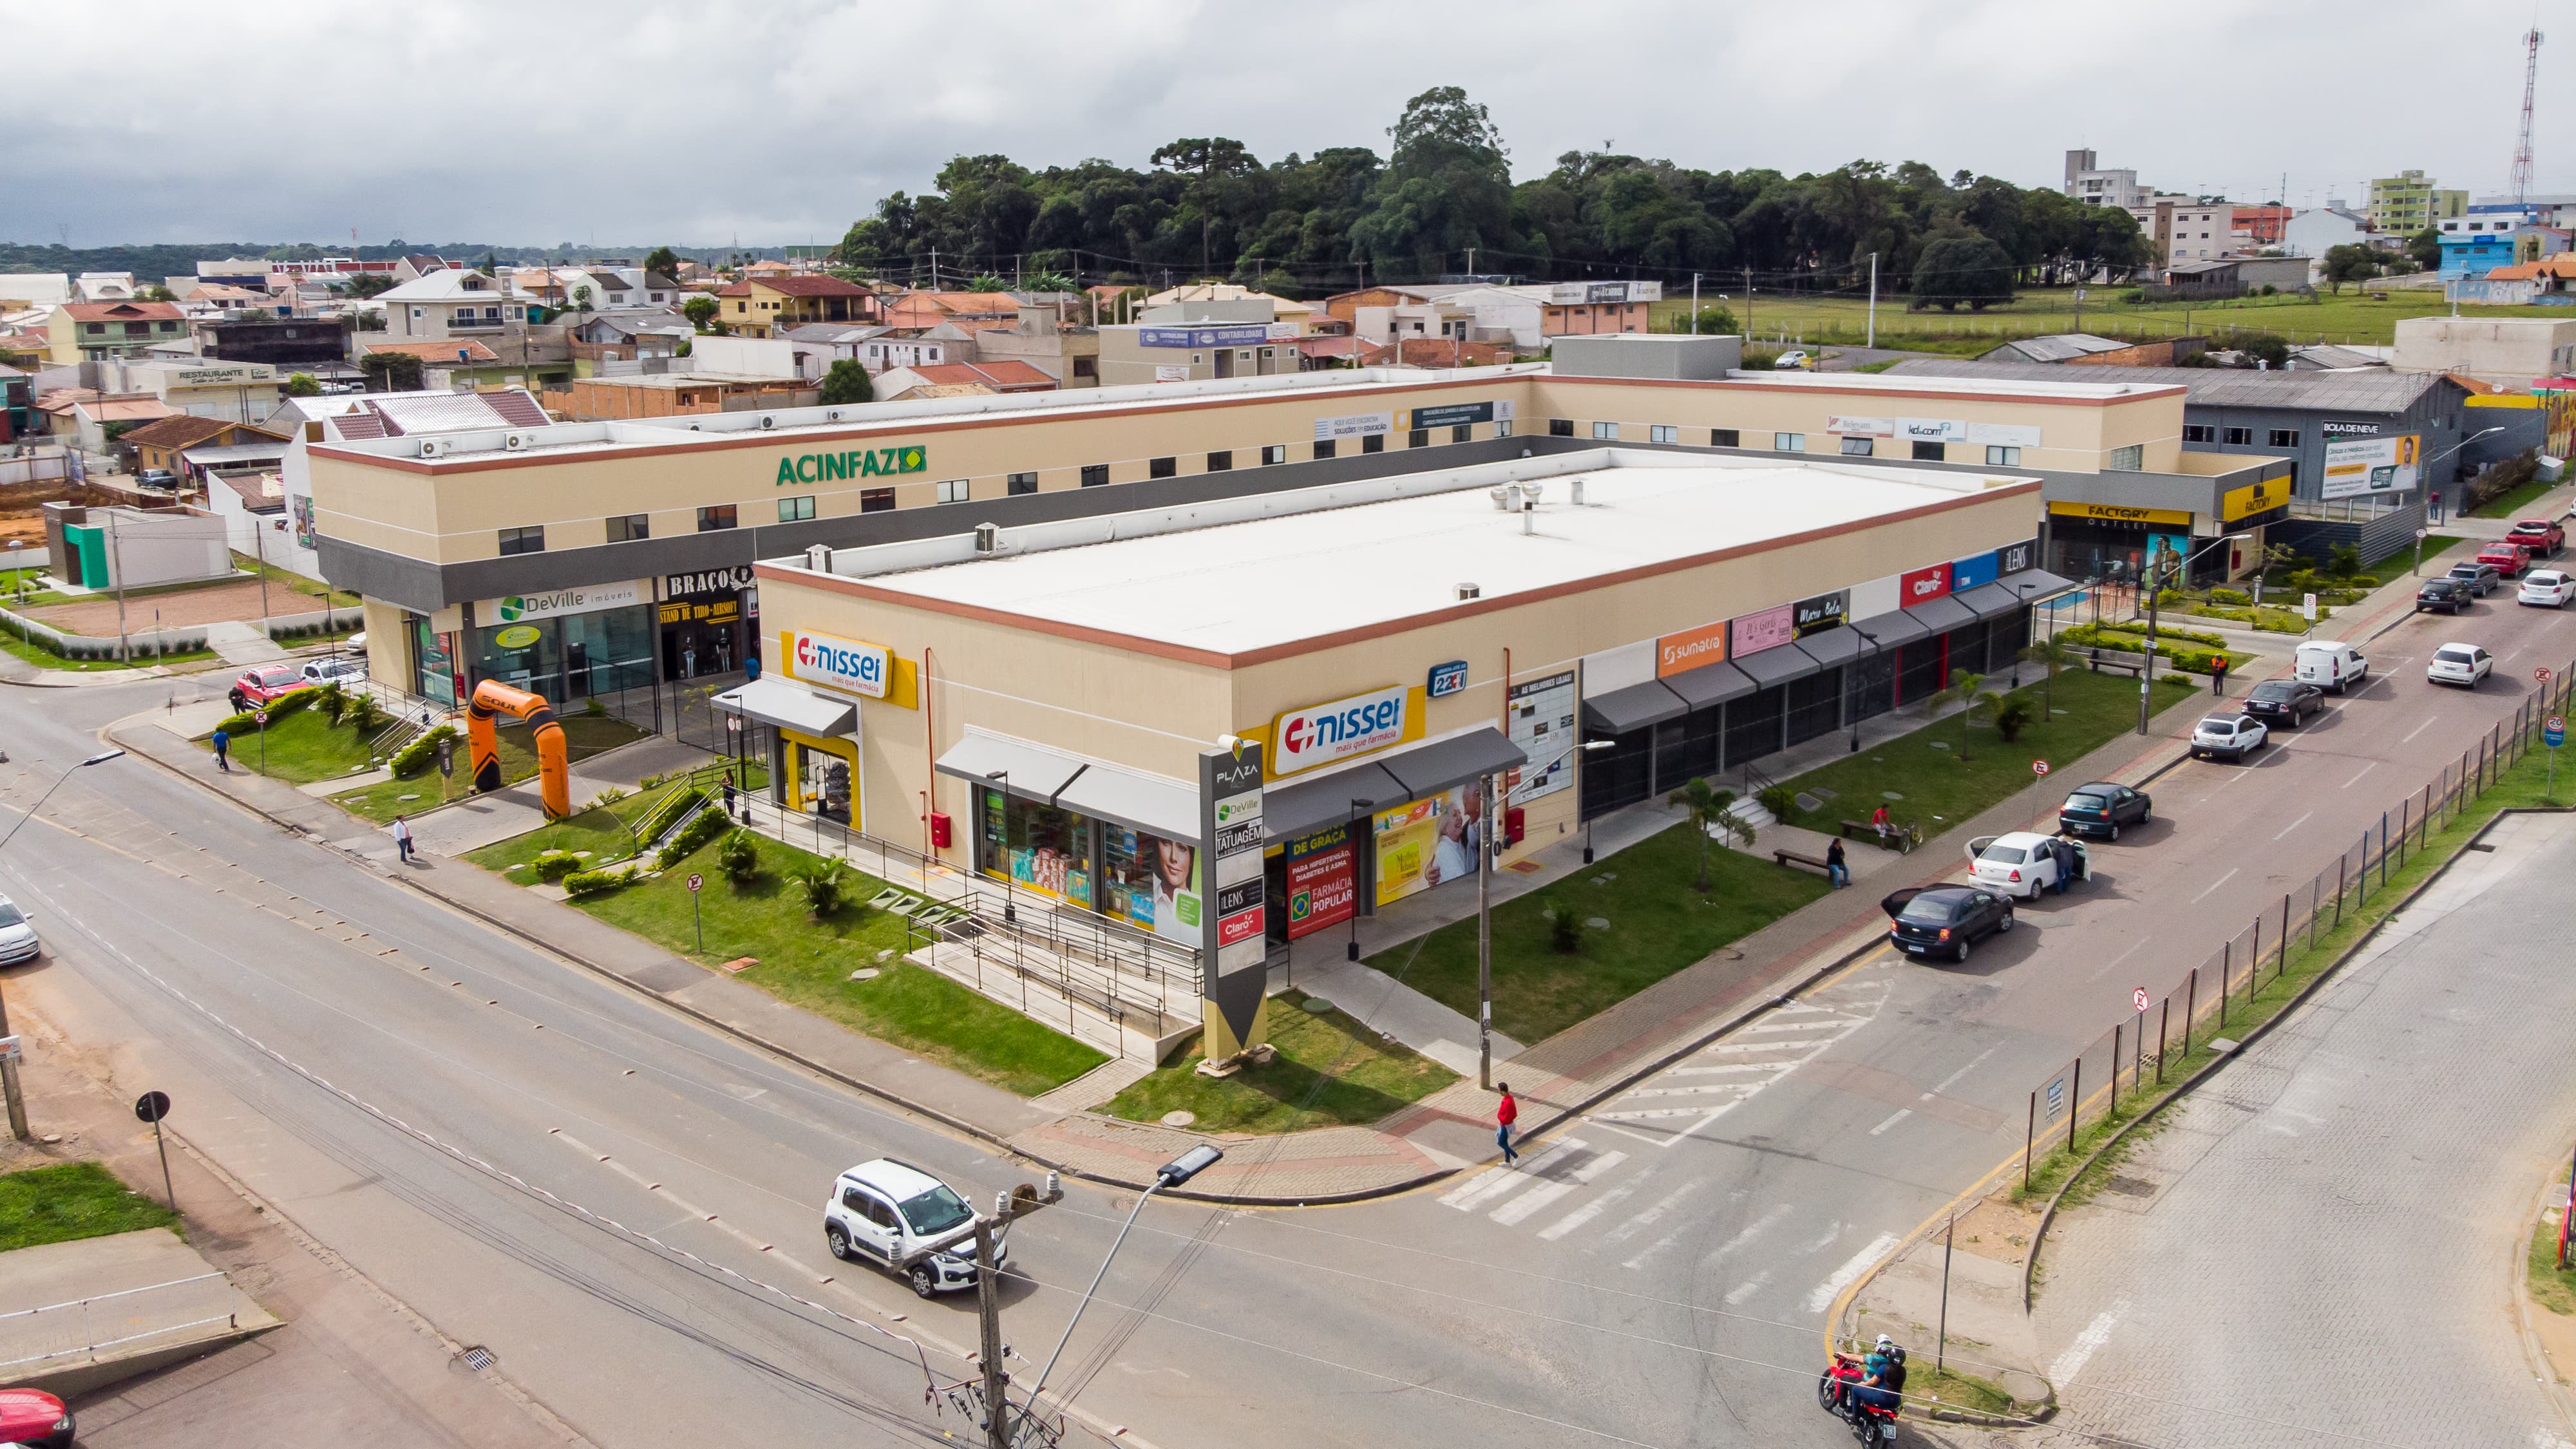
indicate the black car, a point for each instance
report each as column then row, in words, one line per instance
column 2284, row 701
column 2481, row 579
column 1945, row 920
column 2449, row 595
column 2101, row 808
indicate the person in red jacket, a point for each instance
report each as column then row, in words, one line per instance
column 1506, row 1112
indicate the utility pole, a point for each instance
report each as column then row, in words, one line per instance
column 1485, row 939
column 1748, row 301
column 116, row 561
column 2154, row 581
column 1873, row 300
column 1694, row 304
column 1171, row 1174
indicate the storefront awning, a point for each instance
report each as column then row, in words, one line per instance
column 1142, row 802
column 2008, row 596
column 1436, row 765
column 1033, row 772
column 781, row 705
column 1633, row 708
column 1831, row 647
column 1942, row 615
column 1889, row 630
column 1300, row 808
column 1711, row 684
column 1778, row 665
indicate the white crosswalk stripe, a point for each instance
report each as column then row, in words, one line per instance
column 1497, row 1182
column 1528, row 1204
column 1760, row 1053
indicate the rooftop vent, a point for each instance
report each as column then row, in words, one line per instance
column 1469, row 591
column 1575, row 486
column 818, row 558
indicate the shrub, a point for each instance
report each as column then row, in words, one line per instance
column 2269, row 290
column 418, row 756
column 607, row 797
column 2363, row 583
column 2344, row 560
column 1564, row 932
column 554, row 865
column 667, row 812
column 2013, row 716
column 597, row 882
column 361, row 713
column 2134, row 296
column 738, row 858
column 696, row 833
column 2235, row 597
column 1781, row 801
column 331, row 702
column 247, row 722
column 823, row 885
column 593, row 707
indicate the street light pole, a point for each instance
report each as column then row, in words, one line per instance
column 1849, row 692
column 1171, row 1174
column 1485, row 940
column 1589, row 746
column 17, row 1098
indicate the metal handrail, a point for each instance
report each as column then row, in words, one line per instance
column 103, row 1297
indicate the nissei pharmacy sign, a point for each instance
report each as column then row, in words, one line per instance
column 843, row 663
column 1321, row 734
column 854, row 463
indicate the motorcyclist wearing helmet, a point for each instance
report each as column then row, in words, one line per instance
column 1883, row 1379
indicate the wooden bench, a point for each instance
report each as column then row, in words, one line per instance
column 1792, row 857
column 1862, row 830
column 2130, row 664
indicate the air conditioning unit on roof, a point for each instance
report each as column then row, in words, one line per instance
column 430, row 447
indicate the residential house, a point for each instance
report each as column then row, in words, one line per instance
column 1011, row 375
column 677, row 394
column 2185, row 228
column 2235, row 275
column 921, row 311
column 462, row 362
column 416, row 265
column 462, row 305
column 217, row 299
column 2473, row 246
column 2080, row 349
column 2313, row 231
column 627, row 336
column 160, row 443
column 241, row 392
column 87, row 331
column 95, row 424
column 21, row 290
column 2255, row 227
column 2088, row 183
column 1068, row 354
column 2546, row 275
column 17, row 404
column 251, row 500
column 1305, row 316
column 768, row 305
column 1136, row 353
column 106, row 287
column 301, row 344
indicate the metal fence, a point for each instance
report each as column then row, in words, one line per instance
column 2201, row 1004
column 33, row 1340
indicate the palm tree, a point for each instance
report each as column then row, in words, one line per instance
column 1969, row 690
column 2048, row 650
column 1708, row 810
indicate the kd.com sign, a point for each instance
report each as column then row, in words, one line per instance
column 856, row 463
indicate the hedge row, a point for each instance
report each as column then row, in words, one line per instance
column 667, row 811
column 597, row 882
column 421, row 753
column 248, row 720
column 698, row 832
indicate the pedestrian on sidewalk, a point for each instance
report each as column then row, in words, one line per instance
column 1506, row 1112
column 729, row 795
column 223, row 742
column 402, row 840
column 2218, row 672
column 1836, row 869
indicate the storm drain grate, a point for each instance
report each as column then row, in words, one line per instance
column 477, row 1358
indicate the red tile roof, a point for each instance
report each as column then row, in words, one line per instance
column 808, row 286
column 1006, row 375
column 440, row 352
column 124, row 312
column 181, row 431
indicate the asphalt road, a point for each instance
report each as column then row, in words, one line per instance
column 1655, row 1274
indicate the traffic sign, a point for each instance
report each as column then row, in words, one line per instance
column 2422, row 534
column 446, row 756
column 2138, row 999
column 695, row 881
column 2554, row 730
column 152, row 1106
column 9, row 1050
column 2039, row 767
column 260, row 716
column 2541, row 674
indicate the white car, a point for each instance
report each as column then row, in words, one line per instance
column 1792, row 359
column 2462, row 664
column 357, row 643
column 2233, row 736
column 2023, row 863
column 342, row 670
column 882, row 1211
column 17, row 934
column 2546, row 587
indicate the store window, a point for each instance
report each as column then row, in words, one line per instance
column 1461, row 432
column 2199, row 433
column 1094, row 474
column 630, row 528
column 1373, row 443
column 1418, row 438
column 1275, row 453
column 1724, row 438
column 876, row 500
column 570, row 656
column 1931, row 452
column 1221, row 462
column 433, row 662
column 821, row 776
column 523, row 540
column 2284, row 437
column 1605, row 432
column 716, row 517
column 2002, row 457
column 795, row 510
column 1035, row 846
column 1859, row 447
column 1163, row 468
column 1788, row 442
column 955, row 490
column 1019, row 483
column 1663, row 433
column 1149, row 882
column 1560, row 427
column 1324, row 449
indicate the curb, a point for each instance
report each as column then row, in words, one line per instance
column 2048, row 1215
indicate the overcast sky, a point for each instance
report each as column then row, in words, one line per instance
column 633, row 122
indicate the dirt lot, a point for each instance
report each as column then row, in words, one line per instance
column 211, row 605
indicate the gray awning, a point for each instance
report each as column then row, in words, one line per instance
column 2039, row 583
column 1712, row 684
column 1302, row 807
column 1034, row 771
column 1943, row 614
column 1989, row 601
column 1778, row 665
column 1890, row 629
column 1428, row 769
column 1830, row 647
column 1144, row 802
column 783, row 705
column 1633, row 708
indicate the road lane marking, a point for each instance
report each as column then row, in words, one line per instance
column 1736, row 1295
column 2095, row 1334
column 1751, row 1231
column 1495, row 1182
column 2419, row 729
column 1824, row 1242
column 2213, row 885
column 1901, row 1114
column 1586, row 1213
column 1822, row 1295
column 2295, row 824
column 1952, row 1080
column 1528, row 1204
column 2357, row 774
column 1641, row 1221
column 2114, row 963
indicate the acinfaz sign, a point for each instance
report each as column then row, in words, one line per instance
column 856, row 463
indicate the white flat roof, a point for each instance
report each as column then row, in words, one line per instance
column 1899, row 386
column 1252, row 573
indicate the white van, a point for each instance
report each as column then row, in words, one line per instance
column 2332, row 664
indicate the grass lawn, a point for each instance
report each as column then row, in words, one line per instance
column 2349, row 317
column 1939, row 789
column 585, row 734
column 807, row 963
column 2387, row 569
column 2513, row 501
column 1925, row 1384
column 597, row 830
column 2552, row 1287
column 302, row 748
column 1330, row 1071
column 68, row 1201
column 1659, row 923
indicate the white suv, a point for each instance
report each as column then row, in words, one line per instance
column 338, row 669
column 881, row 1211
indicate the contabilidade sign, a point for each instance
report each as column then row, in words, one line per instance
column 855, row 463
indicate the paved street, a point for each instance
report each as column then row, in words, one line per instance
column 2324, row 1246
column 1655, row 1273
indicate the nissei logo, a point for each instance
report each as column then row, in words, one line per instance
column 1336, row 731
column 859, row 667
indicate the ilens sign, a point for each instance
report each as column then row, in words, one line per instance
column 856, row 463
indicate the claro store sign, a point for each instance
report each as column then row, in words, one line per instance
column 1321, row 734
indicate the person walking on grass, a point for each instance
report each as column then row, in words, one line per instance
column 223, row 742
column 1506, row 1112
column 402, row 840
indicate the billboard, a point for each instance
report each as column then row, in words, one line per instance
column 1542, row 724
column 1428, row 842
column 2358, row 466
column 1690, row 649
column 1323, row 881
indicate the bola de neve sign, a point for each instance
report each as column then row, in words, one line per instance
column 852, row 463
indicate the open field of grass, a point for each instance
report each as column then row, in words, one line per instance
column 2349, row 317
column 68, row 1201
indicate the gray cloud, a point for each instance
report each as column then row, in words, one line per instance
column 632, row 123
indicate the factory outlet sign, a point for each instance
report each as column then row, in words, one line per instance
column 517, row 607
column 854, row 463
column 1321, row 734
column 2117, row 513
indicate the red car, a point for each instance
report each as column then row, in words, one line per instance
column 2510, row 559
column 259, row 686
column 2542, row 536
column 32, row 1416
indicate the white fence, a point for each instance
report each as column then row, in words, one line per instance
column 43, row 468
column 58, row 1335
column 175, row 639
